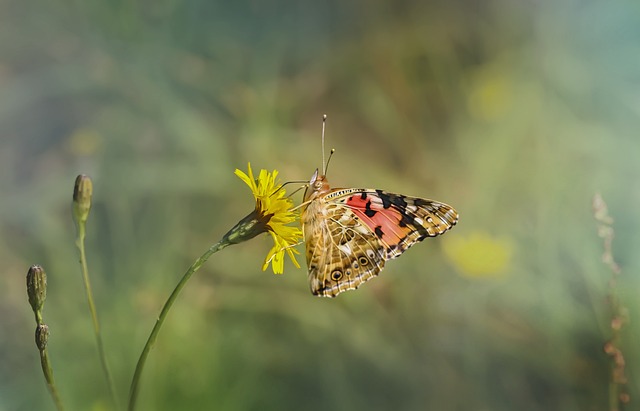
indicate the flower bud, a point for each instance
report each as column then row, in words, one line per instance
column 42, row 336
column 82, row 192
column 36, row 287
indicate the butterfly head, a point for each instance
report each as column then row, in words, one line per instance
column 317, row 185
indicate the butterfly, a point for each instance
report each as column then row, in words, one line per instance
column 350, row 233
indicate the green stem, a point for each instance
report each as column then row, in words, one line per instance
column 48, row 376
column 94, row 314
column 133, row 393
column 613, row 394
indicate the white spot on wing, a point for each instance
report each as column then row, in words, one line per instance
column 371, row 254
column 362, row 229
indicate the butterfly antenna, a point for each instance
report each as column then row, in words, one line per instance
column 296, row 190
column 324, row 166
column 291, row 182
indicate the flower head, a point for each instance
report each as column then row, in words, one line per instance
column 273, row 214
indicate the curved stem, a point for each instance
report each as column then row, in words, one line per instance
column 133, row 393
column 48, row 376
column 94, row 314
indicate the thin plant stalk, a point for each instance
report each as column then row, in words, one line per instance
column 618, row 395
column 94, row 314
column 82, row 194
column 37, row 293
column 133, row 393
column 48, row 376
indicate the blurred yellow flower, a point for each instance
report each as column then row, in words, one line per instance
column 479, row 255
column 273, row 211
column 490, row 95
column 84, row 142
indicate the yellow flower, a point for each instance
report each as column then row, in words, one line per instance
column 273, row 212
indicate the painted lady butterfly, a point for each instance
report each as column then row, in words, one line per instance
column 351, row 232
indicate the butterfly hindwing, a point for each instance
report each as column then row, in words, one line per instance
column 342, row 253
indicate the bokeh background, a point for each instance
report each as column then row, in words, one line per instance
column 516, row 113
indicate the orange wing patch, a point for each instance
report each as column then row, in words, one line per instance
column 400, row 221
column 385, row 223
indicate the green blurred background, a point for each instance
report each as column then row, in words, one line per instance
column 516, row 113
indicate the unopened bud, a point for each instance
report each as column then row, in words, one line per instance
column 36, row 287
column 42, row 336
column 82, row 192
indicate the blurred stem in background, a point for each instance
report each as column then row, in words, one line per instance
column 82, row 192
column 37, row 293
column 272, row 214
column 618, row 395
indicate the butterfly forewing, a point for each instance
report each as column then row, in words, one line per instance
column 401, row 221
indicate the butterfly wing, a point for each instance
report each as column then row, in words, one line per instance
column 350, row 233
column 400, row 221
column 341, row 252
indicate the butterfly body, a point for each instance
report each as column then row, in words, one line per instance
column 351, row 232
